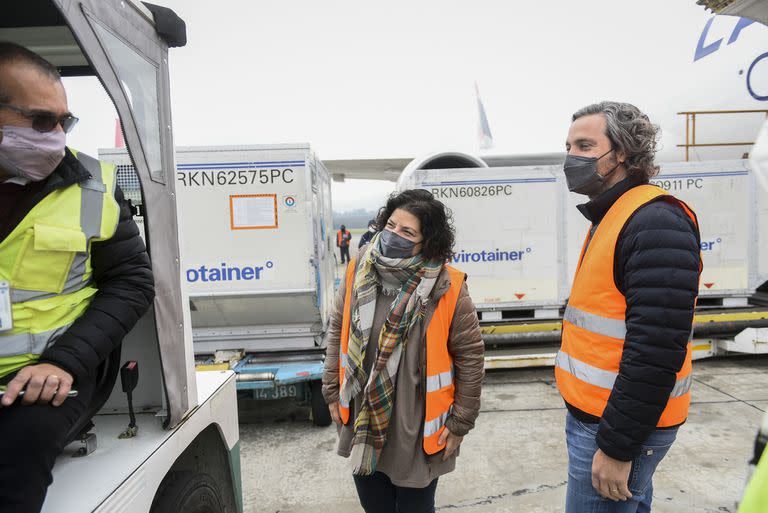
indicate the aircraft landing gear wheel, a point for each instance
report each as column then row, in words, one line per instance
column 188, row 492
column 321, row 415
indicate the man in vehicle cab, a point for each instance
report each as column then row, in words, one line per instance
column 74, row 276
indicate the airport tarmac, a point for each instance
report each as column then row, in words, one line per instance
column 515, row 459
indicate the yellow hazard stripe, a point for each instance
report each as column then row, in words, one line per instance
column 212, row 367
column 522, row 328
column 557, row 326
column 732, row 317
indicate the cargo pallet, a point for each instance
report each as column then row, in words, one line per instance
column 274, row 376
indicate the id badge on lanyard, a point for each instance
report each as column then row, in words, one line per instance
column 6, row 314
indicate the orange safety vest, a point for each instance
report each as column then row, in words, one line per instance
column 340, row 237
column 594, row 324
column 439, row 378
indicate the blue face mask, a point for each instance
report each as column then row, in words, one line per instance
column 582, row 176
column 393, row 245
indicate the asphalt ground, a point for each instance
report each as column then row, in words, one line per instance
column 515, row 459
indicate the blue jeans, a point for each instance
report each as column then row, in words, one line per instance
column 581, row 497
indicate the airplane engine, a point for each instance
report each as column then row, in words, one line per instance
column 441, row 160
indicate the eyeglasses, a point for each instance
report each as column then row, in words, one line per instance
column 44, row 120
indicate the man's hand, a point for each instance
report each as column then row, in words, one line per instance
column 335, row 413
column 451, row 441
column 43, row 383
column 610, row 477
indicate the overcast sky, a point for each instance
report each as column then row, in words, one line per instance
column 396, row 79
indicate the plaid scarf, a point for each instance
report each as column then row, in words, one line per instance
column 374, row 270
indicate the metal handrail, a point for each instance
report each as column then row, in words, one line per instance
column 690, row 129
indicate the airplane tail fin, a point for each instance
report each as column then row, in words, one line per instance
column 484, row 135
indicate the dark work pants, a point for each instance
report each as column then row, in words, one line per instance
column 344, row 253
column 30, row 439
column 378, row 495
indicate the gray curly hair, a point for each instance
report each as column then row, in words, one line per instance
column 630, row 131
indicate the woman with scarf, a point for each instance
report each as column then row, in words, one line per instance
column 404, row 358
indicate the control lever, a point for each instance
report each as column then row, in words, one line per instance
column 129, row 377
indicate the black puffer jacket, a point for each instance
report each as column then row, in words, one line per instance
column 656, row 267
column 121, row 272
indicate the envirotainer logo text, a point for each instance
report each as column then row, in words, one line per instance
column 225, row 272
column 489, row 255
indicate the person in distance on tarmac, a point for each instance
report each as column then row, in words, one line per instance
column 404, row 361
column 368, row 235
column 343, row 238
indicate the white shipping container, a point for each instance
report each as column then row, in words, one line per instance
column 510, row 231
column 759, row 163
column 762, row 230
column 528, row 213
column 255, row 229
column 724, row 195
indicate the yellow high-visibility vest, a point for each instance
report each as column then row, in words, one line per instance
column 46, row 260
column 755, row 498
column 756, row 495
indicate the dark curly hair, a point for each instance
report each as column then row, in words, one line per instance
column 630, row 131
column 436, row 221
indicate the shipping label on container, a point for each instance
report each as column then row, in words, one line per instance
column 243, row 221
column 721, row 193
column 507, row 231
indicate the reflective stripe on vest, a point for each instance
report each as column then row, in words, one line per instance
column 46, row 260
column 434, row 427
column 605, row 379
column 614, row 328
column 438, row 380
column 594, row 324
column 29, row 343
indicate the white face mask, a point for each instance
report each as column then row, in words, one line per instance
column 27, row 153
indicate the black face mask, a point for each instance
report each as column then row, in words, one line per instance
column 393, row 245
column 582, row 176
